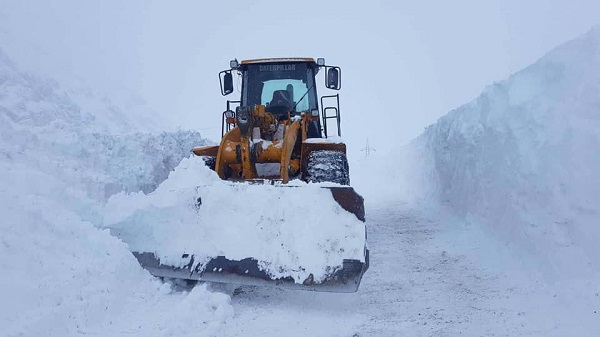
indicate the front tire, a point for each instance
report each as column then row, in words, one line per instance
column 210, row 162
column 327, row 166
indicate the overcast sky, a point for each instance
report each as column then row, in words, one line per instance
column 404, row 63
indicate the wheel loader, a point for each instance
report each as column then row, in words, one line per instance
column 278, row 132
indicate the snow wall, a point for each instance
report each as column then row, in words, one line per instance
column 523, row 158
column 63, row 151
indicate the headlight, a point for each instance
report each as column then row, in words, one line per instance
column 315, row 113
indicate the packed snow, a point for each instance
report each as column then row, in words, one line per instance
column 197, row 213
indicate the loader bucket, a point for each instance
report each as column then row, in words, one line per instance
column 344, row 278
column 247, row 272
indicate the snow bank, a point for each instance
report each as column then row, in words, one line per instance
column 523, row 158
column 61, row 275
column 83, row 136
column 294, row 231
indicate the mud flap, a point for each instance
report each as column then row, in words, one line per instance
column 349, row 200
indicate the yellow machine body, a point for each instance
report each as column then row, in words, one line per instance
column 238, row 153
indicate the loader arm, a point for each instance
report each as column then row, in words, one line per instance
column 289, row 141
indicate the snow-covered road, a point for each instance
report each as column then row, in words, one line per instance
column 418, row 285
column 413, row 287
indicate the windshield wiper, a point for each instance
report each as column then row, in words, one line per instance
column 301, row 98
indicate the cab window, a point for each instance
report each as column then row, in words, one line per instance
column 279, row 87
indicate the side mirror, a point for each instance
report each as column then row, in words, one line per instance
column 332, row 78
column 226, row 81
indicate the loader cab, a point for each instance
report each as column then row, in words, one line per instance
column 281, row 87
column 284, row 86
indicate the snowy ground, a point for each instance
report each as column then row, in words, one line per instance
column 421, row 284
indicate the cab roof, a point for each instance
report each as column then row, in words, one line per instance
column 279, row 59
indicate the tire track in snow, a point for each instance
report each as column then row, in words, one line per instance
column 413, row 287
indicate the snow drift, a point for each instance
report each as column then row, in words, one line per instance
column 63, row 152
column 523, row 158
column 83, row 137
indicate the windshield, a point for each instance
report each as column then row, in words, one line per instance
column 279, row 86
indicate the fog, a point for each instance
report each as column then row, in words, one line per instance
column 404, row 64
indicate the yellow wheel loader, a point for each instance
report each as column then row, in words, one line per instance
column 277, row 133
